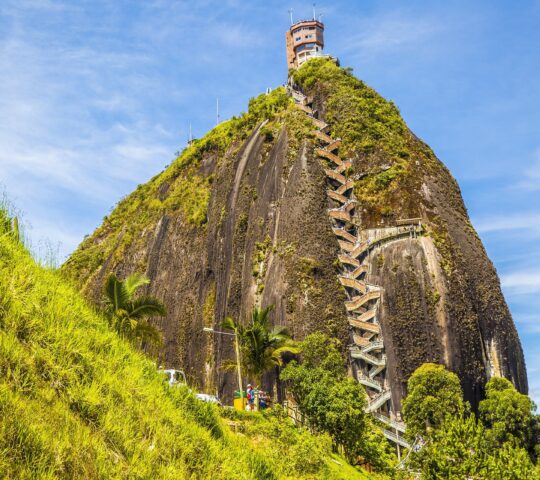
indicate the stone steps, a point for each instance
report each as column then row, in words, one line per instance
column 378, row 401
column 360, row 301
column 322, row 126
column 366, row 326
column 333, row 145
column 340, row 232
column 321, row 152
column 336, row 196
column 336, row 176
column 305, row 108
column 360, row 341
column 346, row 246
column 348, row 260
column 347, row 185
column 340, row 215
column 352, row 283
column 344, row 166
column 352, row 250
column 359, row 271
column 369, row 382
column 323, row 137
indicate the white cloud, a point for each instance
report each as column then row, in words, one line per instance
column 73, row 130
column 523, row 282
column 504, row 223
column 390, row 33
column 529, row 323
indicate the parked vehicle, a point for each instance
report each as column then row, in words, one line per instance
column 174, row 377
column 205, row 397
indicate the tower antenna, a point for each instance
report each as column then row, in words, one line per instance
column 314, row 16
column 290, row 14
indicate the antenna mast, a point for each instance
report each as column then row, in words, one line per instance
column 290, row 14
column 314, row 16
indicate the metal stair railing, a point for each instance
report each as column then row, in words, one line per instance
column 376, row 345
column 396, row 438
column 378, row 401
column 399, row 426
column 369, row 382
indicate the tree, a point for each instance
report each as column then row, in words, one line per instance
column 261, row 345
column 508, row 414
column 457, row 445
column 334, row 403
column 434, row 394
column 460, row 449
column 127, row 314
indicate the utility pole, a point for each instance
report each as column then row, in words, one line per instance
column 237, row 352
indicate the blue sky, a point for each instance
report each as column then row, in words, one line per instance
column 97, row 96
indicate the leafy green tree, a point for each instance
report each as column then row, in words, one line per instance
column 507, row 414
column 261, row 345
column 460, row 449
column 128, row 314
column 334, row 403
column 434, row 394
column 459, row 446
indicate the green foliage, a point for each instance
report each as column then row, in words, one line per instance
column 460, row 449
column 434, row 394
column 388, row 159
column 508, row 414
column 334, row 403
column 76, row 401
column 261, row 345
column 456, row 444
column 128, row 315
column 364, row 120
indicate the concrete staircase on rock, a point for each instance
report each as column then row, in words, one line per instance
column 367, row 350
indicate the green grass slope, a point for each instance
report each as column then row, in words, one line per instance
column 78, row 402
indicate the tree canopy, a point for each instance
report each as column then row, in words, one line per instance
column 128, row 314
column 499, row 444
column 434, row 394
column 334, row 403
column 261, row 345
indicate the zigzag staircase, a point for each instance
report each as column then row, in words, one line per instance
column 367, row 349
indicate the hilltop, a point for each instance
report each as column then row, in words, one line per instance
column 241, row 218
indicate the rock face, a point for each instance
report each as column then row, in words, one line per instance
column 241, row 219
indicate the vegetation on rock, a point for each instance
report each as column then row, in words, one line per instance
column 182, row 188
column 334, row 403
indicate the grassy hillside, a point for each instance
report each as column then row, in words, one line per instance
column 77, row 402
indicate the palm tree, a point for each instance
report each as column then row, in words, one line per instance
column 261, row 345
column 127, row 314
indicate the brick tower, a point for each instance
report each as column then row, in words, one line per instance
column 304, row 40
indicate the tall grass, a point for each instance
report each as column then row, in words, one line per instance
column 78, row 402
